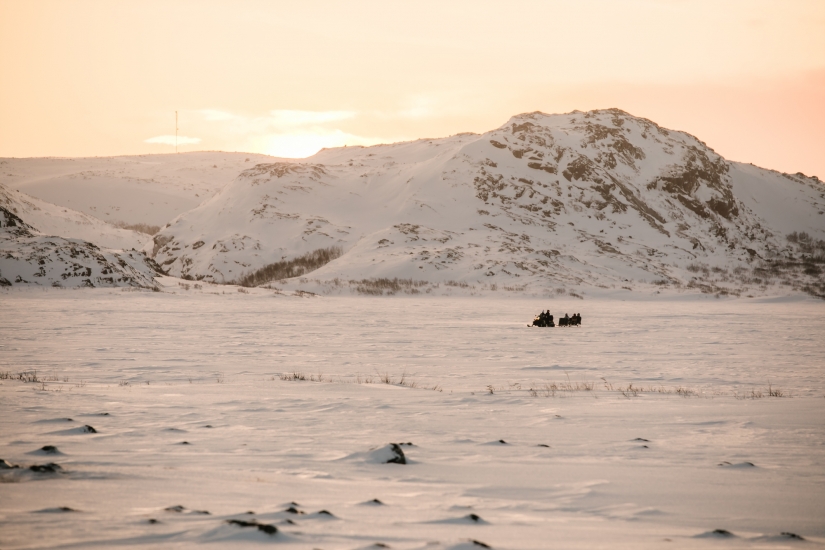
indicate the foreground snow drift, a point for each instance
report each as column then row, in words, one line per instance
column 697, row 423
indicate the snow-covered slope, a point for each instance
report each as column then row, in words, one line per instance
column 46, row 245
column 581, row 200
column 147, row 189
column 50, row 219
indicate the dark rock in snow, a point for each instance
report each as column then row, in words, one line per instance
column 152, row 521
column 264, row 527
column 49, row 449
column 399, row 457
column 543, row 445
column 293, row 510
column 793, row 536
column 642, row 439
column 388, row 454
column 474, row 517
column 178, row 508
column 479, row 543
column 326, row 513
column 502, row 442
column 6, row 465
column 51, row 467
column 738, row 465
column 722, row 533
column 88, row 429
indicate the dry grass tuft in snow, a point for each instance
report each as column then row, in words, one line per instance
column 385, row 378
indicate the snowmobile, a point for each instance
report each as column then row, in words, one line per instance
column 540, row 321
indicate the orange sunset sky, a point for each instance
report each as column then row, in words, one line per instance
column 95, row 78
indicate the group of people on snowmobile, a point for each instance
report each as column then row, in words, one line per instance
column 544, row 319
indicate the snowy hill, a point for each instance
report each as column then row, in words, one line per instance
column 46, row 245
column 64, row 222
column 569, row 203
column 142, row 189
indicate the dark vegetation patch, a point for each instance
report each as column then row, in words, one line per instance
column 382, row 286
column 286, row 269
column 139, row 227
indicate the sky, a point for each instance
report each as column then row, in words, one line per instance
column 100, row 78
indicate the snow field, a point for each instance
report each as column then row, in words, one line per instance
column 621, row 469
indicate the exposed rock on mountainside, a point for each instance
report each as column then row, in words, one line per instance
column 28, row 257
column 596, row 199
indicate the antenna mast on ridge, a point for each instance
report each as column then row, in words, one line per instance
column 176, row 132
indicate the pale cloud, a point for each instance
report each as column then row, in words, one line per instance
column 285, row 118
column 172, row 140
column 419, row 107
column 213, row 115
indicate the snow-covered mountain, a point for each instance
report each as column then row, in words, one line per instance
column 47, row 245
column 139, row 189
column 574, row 201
